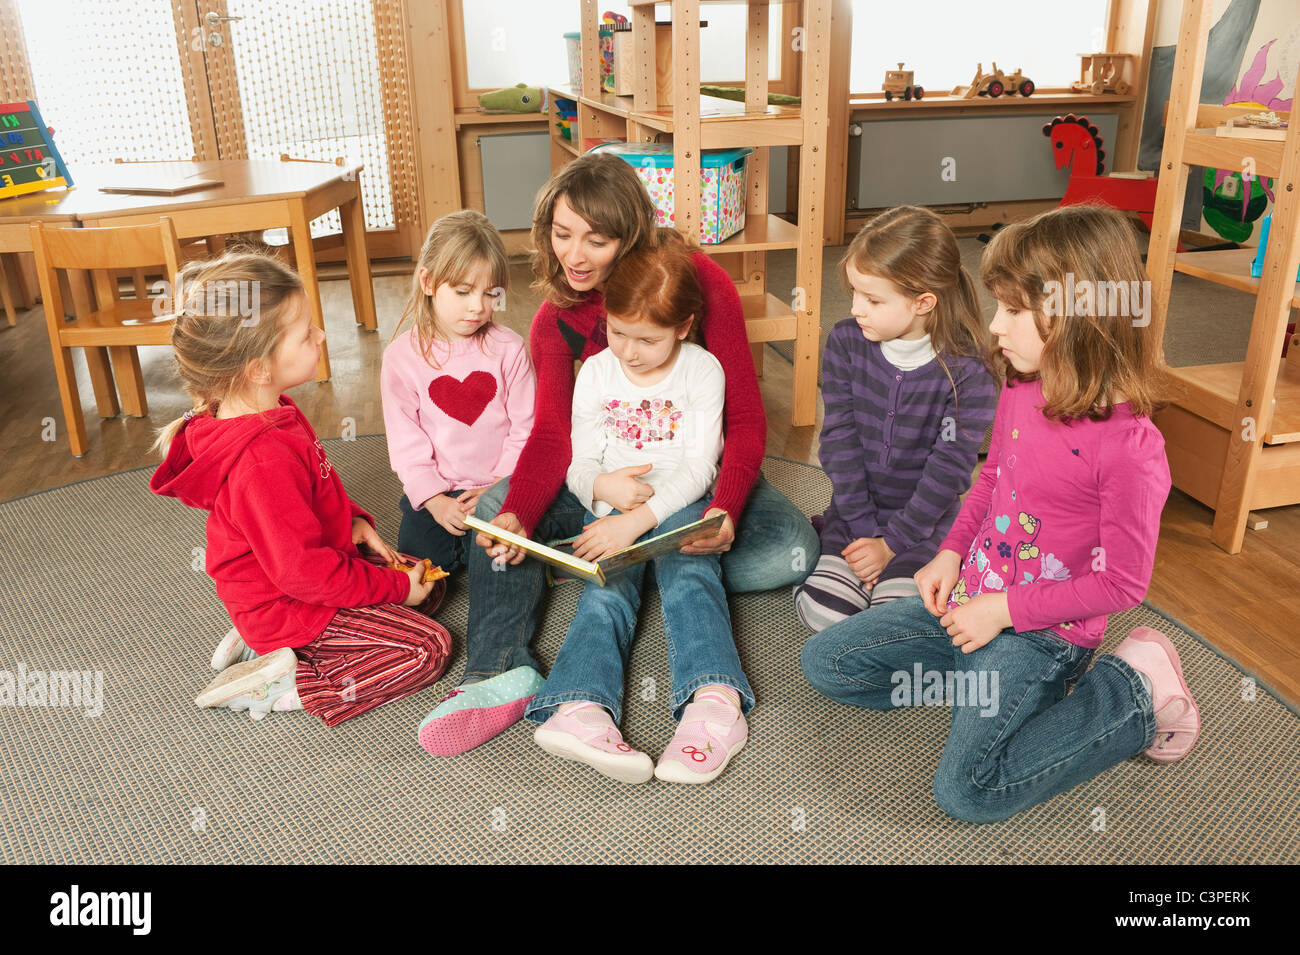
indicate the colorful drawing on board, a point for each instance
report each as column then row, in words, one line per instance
column 1232, row 201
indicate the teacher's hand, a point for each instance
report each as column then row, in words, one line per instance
column 499, row 552
column 719, row 543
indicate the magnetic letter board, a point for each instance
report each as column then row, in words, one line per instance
column 28, row 160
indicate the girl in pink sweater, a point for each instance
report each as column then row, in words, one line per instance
column 457, row 388
column 1058, row 531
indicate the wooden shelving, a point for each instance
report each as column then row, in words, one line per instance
column 767, row 318
column 1230, row 267
column 763, row 232
column 877, row 101
column 695, row 123
column 1232, row 433
column 1211, row 391
column 471, row 117
column 1203, row 148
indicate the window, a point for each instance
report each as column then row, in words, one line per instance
column 108, row 79
column 522, row 41
column 1042, row 39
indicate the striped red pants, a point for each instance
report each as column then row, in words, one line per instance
column 369, row 656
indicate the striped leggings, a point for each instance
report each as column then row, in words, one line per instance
column 833, row 592
column 369, row 656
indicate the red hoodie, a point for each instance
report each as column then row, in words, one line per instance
column 280, row 525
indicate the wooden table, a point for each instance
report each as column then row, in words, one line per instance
column 16, row 217
column 254, row 194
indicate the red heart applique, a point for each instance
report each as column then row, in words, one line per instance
column 463, row 400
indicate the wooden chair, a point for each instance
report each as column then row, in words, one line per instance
column 110, row 333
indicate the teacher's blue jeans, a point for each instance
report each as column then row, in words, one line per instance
column 697, row 627
column 775, row 546
column 1008, row 749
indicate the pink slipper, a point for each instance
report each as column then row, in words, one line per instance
column 1178, row 721
column 588, row 735
column 706, row 739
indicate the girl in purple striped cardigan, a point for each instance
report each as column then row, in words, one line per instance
column 908, row 399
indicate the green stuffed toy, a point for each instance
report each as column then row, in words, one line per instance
column 513, row 99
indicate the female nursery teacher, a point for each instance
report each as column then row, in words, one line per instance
column 588, row 217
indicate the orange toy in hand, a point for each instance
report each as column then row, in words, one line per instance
column 431, row 573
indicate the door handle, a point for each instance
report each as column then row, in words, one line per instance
column 214, row 18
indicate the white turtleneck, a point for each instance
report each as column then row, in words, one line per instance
column 905, row 355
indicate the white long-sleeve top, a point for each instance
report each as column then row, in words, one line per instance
column 674, row 425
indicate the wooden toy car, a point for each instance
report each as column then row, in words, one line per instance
column 899, row 82
column 1102, row 73
column 995, row 84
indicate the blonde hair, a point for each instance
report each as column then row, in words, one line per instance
column 456, row 245
column 913, row 248
column 213, row 338
column 1090, row 360
column 605, row 191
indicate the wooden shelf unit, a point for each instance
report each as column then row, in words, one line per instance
column 1229, row 267
column 1232, row 433
column 696, row 122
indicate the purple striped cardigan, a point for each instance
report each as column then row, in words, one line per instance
column 899, row 446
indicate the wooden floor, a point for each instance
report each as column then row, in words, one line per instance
column 1247, row 605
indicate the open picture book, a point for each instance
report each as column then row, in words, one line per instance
column 601, row 570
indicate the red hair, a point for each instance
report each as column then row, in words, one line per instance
column 658, row 284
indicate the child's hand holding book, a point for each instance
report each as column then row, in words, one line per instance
column 613, row 533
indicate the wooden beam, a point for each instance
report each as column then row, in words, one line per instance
column 437, row 175
column 837, row 130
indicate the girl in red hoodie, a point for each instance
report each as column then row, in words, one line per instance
column 334, row 632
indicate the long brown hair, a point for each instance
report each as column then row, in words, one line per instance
column 1094, row 353
column 456, row 245
column 913, row 248
column 213, row 338
column 605, row 191
column 658, row 283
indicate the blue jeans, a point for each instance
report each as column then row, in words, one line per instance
column 421, row 536
column 1007, row 750
column 697, row 627
column 775, row 546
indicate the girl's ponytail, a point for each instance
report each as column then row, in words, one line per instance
column 228, row 314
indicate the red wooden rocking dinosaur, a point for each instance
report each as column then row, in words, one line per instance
column 1076, row 143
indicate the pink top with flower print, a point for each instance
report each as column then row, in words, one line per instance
column 1063, row 517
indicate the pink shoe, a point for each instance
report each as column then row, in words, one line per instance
column 706, row 739
column 588, row 735
column 1178, row 721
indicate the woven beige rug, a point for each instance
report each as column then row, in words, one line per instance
column 99, row 578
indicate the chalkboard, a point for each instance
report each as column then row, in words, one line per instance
column 28, row 160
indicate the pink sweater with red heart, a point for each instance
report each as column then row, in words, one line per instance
column 459, row 418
